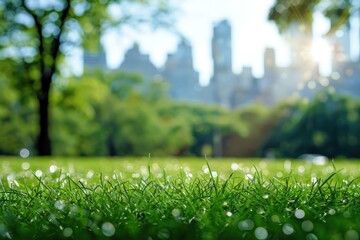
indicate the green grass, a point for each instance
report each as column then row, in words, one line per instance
column 178, row 199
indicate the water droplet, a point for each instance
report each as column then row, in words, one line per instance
column 205, row 169
column 25, row 165
column 108, row 229
column 214, row 174
column 60, row 205
column 311, row 236
column 164, row 233
column 53, row 168
column 307, row 226
column 288, row 229
column 67, row 232
column 176, row 212
column 38, row 173
column 332, row 211
column 135, row 175
column 90, row 174
column 287, row 165
column 275, row 218
column 351, row 235
column 299, row 213
column 247, row 224
column 301, row 169
column 24, row 153
column 249, row 176
column 260, row 211
column 261, row 233
column 234, row 166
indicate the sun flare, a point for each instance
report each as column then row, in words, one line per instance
column 321, row 50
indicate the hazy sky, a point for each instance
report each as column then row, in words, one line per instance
column 250, row 28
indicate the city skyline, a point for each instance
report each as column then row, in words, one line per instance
column 196, row 23
column 252, row 34
column 249, row 43
column 301, row 78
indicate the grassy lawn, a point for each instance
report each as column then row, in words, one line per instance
column 133, row 198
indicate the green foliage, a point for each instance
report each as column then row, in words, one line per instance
column 284, row 13
column 16, row 116
column 328, row 125
column 188, row 199
column 37, row 36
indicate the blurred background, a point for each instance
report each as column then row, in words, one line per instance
column 235, row 78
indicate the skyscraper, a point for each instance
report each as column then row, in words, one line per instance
column 223, row 77
column 179, row 72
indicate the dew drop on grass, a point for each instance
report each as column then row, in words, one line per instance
column 53, row 168
column 260, row 211
column 176, row 213
column 25, row 165
column 108, row 229
column 60, row 205
column 249, row 176
column 332, row 211
column 247, row 224
column 311, row 236
column 205, row 169
column 261, row 233
column 135, row 175
column 287, row 165
column 90, row 174
column 67, row 232
column 164, row 233
column 24, row 153
column 288, row 229
column 234, row 166
column 275, row 219
column 307, row 226
column 351, row 235
column 38, row 173
column 299, row 213
column 314, row 180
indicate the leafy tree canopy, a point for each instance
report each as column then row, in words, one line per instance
column 286, row 12
column 36, row 35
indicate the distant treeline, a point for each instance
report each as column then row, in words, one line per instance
column 118, row 114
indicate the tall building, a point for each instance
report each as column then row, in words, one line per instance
column 137, row 62
column 223, row 77
column 180, row 73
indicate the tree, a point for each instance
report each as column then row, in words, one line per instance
column 328, row 125
column 286, row 12
column 38, row 34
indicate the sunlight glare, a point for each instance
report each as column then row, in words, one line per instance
column 320, row 50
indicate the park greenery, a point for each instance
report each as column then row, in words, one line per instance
column 74, row 198
column 37, row 35
column 119, row 114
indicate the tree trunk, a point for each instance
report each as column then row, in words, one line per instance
column 43, row 144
